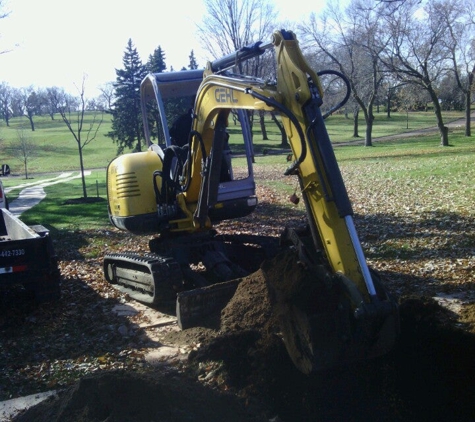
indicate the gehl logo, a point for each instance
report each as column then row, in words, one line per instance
column 224, row 95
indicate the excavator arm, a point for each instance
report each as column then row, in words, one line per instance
column 297, row 97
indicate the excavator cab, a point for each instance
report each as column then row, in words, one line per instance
column 167, row 102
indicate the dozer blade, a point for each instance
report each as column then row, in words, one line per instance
column 194, row 305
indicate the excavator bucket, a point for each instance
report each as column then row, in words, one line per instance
column 323, row 318
column 193, row 306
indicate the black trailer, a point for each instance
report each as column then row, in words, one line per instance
column 27, row 258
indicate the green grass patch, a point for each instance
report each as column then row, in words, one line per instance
column 55, row 147
column 419, row 172
column 57, row 150
column 429, row 176
column 62, row 209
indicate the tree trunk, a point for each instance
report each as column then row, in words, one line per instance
column 81, row 163
column 369, row 119
column 32, row 124
column 389, row 105
column 138, row 135
column 284, row 143
column 138, row 147
column 355, row 124
column 263, row 126
column 468, row 100
column 369, row 133
column 444, row 130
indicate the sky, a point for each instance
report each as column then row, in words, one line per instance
column 58, row 42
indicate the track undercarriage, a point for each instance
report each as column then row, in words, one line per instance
column 179, row 264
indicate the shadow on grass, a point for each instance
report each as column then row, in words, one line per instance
column 433, row 234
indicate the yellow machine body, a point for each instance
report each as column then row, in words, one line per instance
column 131, row 194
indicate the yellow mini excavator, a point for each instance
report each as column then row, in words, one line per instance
column 186, row 181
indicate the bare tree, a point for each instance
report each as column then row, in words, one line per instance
column 23, row 149
column 16, row 102
column 230, row 25
column 416, row 53
column 31, row 104
column 43, row 103
column 353, row 39
column 459, row 18
column 53, row 98
column 107, row 95
column 75, row 122
column 5, row 99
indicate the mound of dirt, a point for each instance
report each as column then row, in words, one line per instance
column 245, row 373
column 430, row 374
column 126, row 397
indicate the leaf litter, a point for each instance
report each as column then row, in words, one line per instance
column 421, row 243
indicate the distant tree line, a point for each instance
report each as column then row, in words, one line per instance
column 398, row 55
column 30, row 102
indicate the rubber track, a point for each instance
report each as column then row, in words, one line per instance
column 158, row 278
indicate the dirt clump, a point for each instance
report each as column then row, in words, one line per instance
column 467, row 316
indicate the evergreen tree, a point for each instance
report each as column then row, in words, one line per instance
column 193, row 64
column 156, row 61
column 126, row 114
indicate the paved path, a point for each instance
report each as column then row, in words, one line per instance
column 33, row 193
column 11, row 408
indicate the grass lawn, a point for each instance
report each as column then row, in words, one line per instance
column 433, row 177
column 57, row 150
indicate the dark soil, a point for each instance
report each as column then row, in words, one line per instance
column 246, row 374
column 124, row 396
